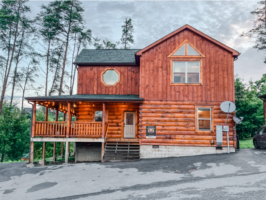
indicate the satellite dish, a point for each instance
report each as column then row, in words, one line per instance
column 237, row 120
column 228, row 106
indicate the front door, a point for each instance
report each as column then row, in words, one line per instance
column 129, row 124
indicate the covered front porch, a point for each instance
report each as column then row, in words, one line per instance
column 87, row 118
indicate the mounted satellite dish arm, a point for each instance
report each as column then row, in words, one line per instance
column 227, row 113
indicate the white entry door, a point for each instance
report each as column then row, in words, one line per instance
column 129, row 124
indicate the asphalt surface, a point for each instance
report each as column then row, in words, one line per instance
column 240, row 175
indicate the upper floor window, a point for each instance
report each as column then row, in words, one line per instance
column 110, row 77
column 186, row 72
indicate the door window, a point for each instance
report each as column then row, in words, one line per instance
column 129, row 118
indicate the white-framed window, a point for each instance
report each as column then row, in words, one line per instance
column 186, row 71
column 204, row 119
column 98, row 116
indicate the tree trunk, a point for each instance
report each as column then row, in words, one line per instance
column 64, row 63
column 47, row 68
column 75, row 69
column 15, row 70
column 54, row 79
column 9, row 68
column 71, row 76
column 3, row 153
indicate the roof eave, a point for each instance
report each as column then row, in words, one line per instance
column 106, row 64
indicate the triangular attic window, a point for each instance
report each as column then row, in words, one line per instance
column 186, row 49
column 180, row 51
column 191, row 51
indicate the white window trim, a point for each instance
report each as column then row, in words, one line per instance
column 185, row 71
column 204, row 119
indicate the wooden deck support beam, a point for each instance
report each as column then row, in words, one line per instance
column 68, row 119
column 66, row 153
column 32, row 132
column 103, row 129
column 62, row 143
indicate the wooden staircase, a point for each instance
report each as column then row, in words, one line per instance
column 121, row 151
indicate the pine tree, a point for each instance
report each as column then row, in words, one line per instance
column 11, row 15
column 49, row 28
column 81, row 38
column 259, row 30
column 127, row 33
column 72, row 19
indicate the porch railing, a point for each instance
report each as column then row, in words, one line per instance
column 86, row 129
column 77, row 129
column 51, row 129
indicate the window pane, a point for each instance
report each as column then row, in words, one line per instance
column 204, row 113
column 180, row 51
column 110, row 77
column 191, row 51
column 204, row 124
column 179, row 66
column 193, row 77
column 129, row 119
column 193, row 67
column 98, row 116
column 179, row 77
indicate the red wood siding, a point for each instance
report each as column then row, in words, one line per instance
column 89, row 80
column 217, row 71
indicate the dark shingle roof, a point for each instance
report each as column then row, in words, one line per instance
column 87, row 97
column 106, row 56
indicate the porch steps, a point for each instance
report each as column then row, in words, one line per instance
column 121, row 151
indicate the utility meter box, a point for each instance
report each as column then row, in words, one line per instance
column 219, row 135
column 226, row 128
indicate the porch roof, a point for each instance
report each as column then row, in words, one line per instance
column 89, row 97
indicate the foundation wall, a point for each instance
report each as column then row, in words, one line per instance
column 147, row 151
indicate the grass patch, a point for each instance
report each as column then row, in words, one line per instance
column 246, row 143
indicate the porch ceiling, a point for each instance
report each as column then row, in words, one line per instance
column 89, row 98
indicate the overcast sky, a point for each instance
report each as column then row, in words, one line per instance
column 222, row 20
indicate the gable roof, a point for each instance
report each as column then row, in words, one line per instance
column 234, row 52
column 106, row 57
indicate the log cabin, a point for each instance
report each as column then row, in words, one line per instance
column 159, row 101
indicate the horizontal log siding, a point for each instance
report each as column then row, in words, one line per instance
column 175, row 123
column 217, row 72
column 115, row 116
column 89, row 80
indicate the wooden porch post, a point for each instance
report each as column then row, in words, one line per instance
column 56, row 119
column 62, row 143
column 68, row 119
column 42, row 162
column 103, row 130
column 32, row 132
column 66, row 153
column 46, row 114
column 68, row 131
column 103, row 120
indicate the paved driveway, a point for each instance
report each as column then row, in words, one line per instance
column 240, row 175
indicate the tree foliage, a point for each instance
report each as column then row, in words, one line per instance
column 259, row 30
column 14, row 133
column 127, row 33
column 249, row 106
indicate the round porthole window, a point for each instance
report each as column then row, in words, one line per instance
column 110, row 77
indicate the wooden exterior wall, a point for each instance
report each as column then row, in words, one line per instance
column 176, row 123
column 217, row 66
column 115, row 116
column 89, row 80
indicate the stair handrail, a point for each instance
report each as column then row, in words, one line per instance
column 106, row 131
